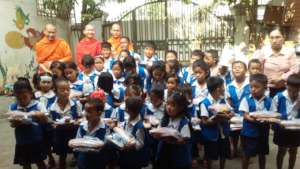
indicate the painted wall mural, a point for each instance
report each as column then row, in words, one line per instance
column 20, row 29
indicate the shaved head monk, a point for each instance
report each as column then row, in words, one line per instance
column 51, row 48
column 115, row 39
column 89, row 45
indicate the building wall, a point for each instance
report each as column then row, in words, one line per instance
column 20, row 27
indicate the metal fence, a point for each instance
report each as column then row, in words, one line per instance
column 172, row 24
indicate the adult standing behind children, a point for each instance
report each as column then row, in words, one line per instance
column 115, row 39
column 278, row 62
column 89, row 45
column 51, row 48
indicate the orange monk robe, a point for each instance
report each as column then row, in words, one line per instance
column 115, row 43
column 87, row 47
column 56, row 50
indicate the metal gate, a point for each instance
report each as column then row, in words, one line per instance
column 172, row 24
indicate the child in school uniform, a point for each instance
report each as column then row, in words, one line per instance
column 118, row 86
column 130, row 67
column 175, row 154
column 235, row 92
column 199, row 87
column 64, row 108
column 171, row 55
column 76, row 85
column 157, row 76
column 29, row 147
column 149, row 55
column 57, row 69
column 134, row 156
column 174, row 67
column 172, row 84
column 187, row 72
column 46, row 96
column 155, row 105
column 287, row 104
column 255, row 67
column 120, row 113
column 99, row 66
column 93, row 127
column 106, row 54
column 87, row 76
column 254, row 134
column 215, row 130
column 106, row 83
column 211, row 58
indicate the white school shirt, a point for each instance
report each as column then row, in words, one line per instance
column 291, row 107
column 158, row 111
column 238, row 90
column 88, row 85
column 43, row 97
column 205, row 113
column 200, row 93
column 260, row 105
column 140, row 134
column 149, row 61
column 92, row 133
column 185, row 131
column 107, row 63
column 66, row 112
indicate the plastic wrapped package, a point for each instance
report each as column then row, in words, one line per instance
column 86, row 144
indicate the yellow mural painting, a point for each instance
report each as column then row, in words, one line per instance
column 14, row 40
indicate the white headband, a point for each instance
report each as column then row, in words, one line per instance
column 46, row 78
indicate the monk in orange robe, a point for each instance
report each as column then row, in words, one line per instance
column 115, row 40
column 89, row 45
column 50, row 48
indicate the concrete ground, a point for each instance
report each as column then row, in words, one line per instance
column 7, row 146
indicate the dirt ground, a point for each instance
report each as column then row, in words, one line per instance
column 7, row 146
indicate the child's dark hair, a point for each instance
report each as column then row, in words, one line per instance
column 253, row 61
column 129, row 63
column 180, row 100
column 173, row 75
column 36, row 79
column 132, row 79
column 293, row 80
column 134, row 104
column 126, row 37
column 158, row 65
column 71, row 65
column 57, row 64
column 158, row 91
column 186, row 89
column 106, row 45
column 203, row 65
column 135, row 89
column 198, row 52
column 241, row 62
column 150, row 44
column 213, row 83
column 127, row 52
column 87, row 61
column 105, row 82
column 22, row 84
column 174, row 65
column 118, row 63
column 59, row 80
column 260, row 78
column 99, row 105
column 214, row 54
column 173, row 52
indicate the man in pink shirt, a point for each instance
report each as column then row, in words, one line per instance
column 278, row 62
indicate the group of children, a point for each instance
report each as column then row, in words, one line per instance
column 129, row 89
